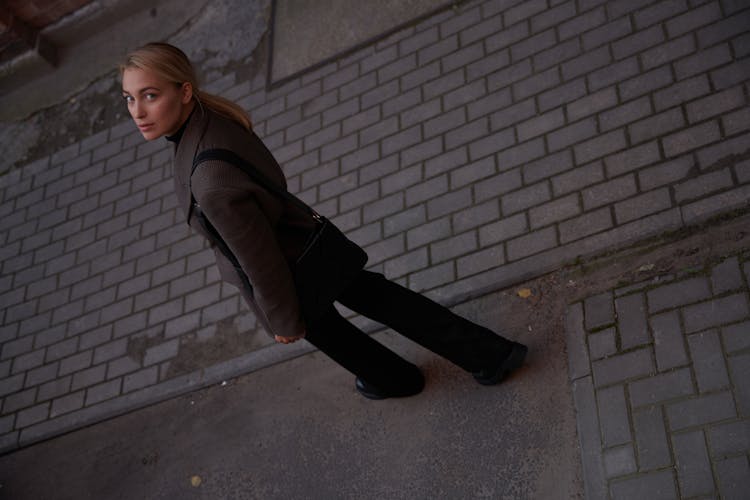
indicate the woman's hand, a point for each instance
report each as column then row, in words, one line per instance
column 288, row 340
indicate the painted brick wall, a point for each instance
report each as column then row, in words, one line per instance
column 488, row 144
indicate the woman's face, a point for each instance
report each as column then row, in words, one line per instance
column 157, row 106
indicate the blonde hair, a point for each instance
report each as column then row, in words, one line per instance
column 172, row 65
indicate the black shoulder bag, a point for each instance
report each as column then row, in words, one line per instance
column 329, row 261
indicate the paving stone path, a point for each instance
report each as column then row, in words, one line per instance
column 661, row 382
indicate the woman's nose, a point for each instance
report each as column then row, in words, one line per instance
column 137, row 111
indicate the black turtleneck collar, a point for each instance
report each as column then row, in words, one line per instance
column 175, row 138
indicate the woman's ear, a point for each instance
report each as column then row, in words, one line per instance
column 187, row 92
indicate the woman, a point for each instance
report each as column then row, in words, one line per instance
column 266, row 235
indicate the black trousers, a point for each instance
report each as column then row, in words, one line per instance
column 468, row 345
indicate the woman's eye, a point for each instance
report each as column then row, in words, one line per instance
column 128, row 98
column 150, row 97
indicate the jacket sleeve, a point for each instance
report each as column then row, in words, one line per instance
column 235, row 210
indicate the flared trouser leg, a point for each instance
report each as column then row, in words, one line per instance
column 435, row 327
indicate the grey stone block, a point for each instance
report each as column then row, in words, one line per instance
column 724, row 29
column 552, row 16
column 599, row 310
column 480, row 261
column 587, row 422
column 66, row 404
column 661, row 388
column 32, row 415
column 716, row 312
column 398, row 68
column 162, row 352
column 522, row 155
column 532, row 45
column 640, row 206
column 585, row 225
column 656, row 485
column 702, row 61
column 427, row 233
column 708, row 361
column 706, row 409
column 602, row 344
column 463, row 56
column 503, row 230
column 669, row 343
column 639, row 41
column 609, row 192
column 739, row 367
column 432, row 277
column 693, row 19
column 691, row 138
column 651, row 438
column 505, row 77
column 523, row 11
column 430, row 114
column 102, row 392
column 619, row 461
column 437, row 50
column 41, row 375
column 540, row 124
column 378, row 131
column 525, row 198
column 535, row 84
column 407, row 263
column 383, row 207
column 702, row 185
column 547, row 167
column 480, row 30
column 385, row 249
column 554, row 211
column 735, row 122
column 66, row 348
column 532, row 243
column 613, row 73
column 420, row 76
column 729, row 438
column 645, row 83
column 472, row 172
column 556, row 54
column 451, row 202
column 140, row 379
column 733, row 477
column 453, row 247
column 511, row 115
column 358, row 86
column 466, row 94
column 578, row 359
column 730, row 75
column 613, row 416
column 736, row 337
column 571, row 134
column 623, row 367
column 19, row 400
column 678, row 294
column 693, row 465
column 632, row 323
column 418, row 41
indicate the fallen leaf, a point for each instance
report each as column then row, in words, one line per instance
column 645, row 267
column 524, row 293
column 196, row 481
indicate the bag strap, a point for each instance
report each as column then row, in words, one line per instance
column 233, row 158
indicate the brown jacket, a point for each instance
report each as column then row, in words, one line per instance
column 265, row 233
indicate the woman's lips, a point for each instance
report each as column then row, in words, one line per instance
column 145, row 126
